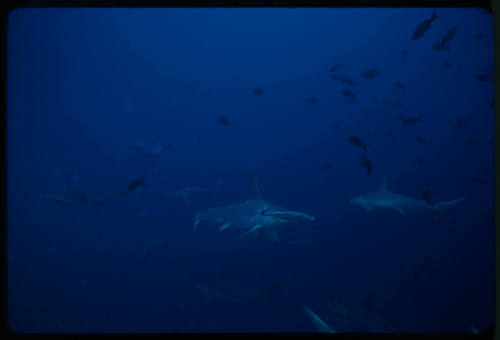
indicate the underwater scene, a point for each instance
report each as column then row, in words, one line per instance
column 250, row 170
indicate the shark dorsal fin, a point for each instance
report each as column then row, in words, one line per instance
column 383, row 185
column 255, row 191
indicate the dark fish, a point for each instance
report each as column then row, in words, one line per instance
column 390, row 134
column 450, row 227
column 404, row 177
column 474, row 179
column 479, row 36
column 377, row 134
column 470, row 141
column 326, row 166
column 427, row 194
column 223, row 120
column 335, row 126
column 483, row 77
column 169, row 146
column 365, row 163
column 350, row 95
column 460, row 123
column 343, row 78
column 424, row 26
column 448, row 37
column 370, row 73
column 485, row 172
column 412, row 119
column 460, row 180
column 439, row 46
column 335, row 67
column 258, row 91
column 134, row 183
column 420, row 161
column 311, row 100
column 420, row 139
column 400, row 117
column 405, row 53
column 399, row 84
column 446, row 64
column 356, row 141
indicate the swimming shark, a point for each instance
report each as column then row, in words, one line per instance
column 252, row 215
column 72, row 196
column 385, row 199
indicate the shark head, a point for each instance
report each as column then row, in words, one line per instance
column 358, row 200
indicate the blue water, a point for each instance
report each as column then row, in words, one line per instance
column 86, row 85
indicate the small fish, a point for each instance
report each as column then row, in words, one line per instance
column 483, row 78
column 343, row 78
column 258, row 91
column 450, row 227
column 420, row 161
column 485, row 172
column 446, row 64
column 404, row 54
column 390, row 134
column 311, row 100
column 399, row 84
column 439, row 46
column 412, row 119
column 370, row 73
column 420, row 139
column 460, row 123
column 335, row 126
column 474, row 179
column 404, row 177
column 427, row 194
column 326, row 166
column 356, row 141
column 479, row 36
column 460, row 180
column 350, row 95
column 424, row 26
column 335, row 67
column 365, row 163
column 223, row 121
column 169, row 145
column 470, row 141
column 134, row 183
column 400, row 117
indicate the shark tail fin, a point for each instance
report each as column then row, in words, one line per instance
column 434, row 15
column 446, row 205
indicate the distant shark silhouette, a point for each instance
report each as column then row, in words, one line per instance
column 252, row 215
column 385, row 199
column 72, row 196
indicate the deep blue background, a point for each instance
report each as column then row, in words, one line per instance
column 84, row 85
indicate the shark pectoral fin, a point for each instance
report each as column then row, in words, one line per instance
column 273, row 234
column 258, row 226
column 225, row 226
column 401, row 211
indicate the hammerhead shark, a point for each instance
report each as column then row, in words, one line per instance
column 252, row 215
column 385, row 199
column 72, row 196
